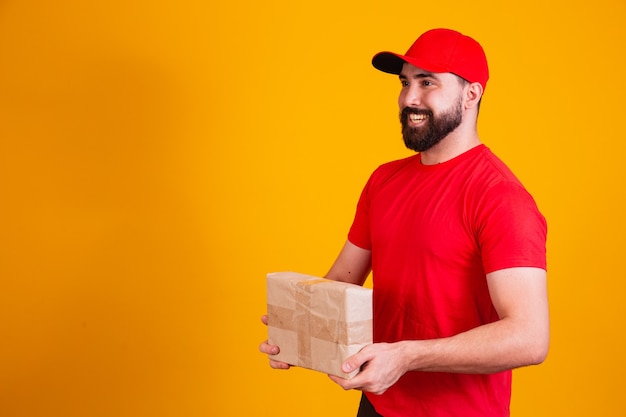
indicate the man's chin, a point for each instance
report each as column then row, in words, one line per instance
column 418, row 146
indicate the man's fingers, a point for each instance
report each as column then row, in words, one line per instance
column 279, row 365
column 269, row 349
column 355, row 361
column 346, row 384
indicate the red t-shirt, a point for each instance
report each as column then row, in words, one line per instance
column 435, row 231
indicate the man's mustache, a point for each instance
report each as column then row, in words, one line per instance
column 404, row 115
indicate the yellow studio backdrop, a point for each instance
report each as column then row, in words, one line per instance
column 157, row 159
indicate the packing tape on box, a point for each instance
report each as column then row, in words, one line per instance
column 306, row 324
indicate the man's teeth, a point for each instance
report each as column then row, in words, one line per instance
column 417, row 117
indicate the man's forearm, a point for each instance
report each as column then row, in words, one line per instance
column 486, row 349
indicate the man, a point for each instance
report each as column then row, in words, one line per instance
column 456, row 247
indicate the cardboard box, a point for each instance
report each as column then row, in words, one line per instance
column 316, row 322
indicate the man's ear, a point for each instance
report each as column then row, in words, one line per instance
column 473, row 95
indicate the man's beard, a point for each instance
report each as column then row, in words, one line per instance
column 422, row 138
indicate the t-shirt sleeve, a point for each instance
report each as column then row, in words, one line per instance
column 511, row 230
column 359, row 233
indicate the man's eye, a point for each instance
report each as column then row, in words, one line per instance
column 404, row 83
column 427, row 83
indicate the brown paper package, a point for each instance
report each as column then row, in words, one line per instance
column 316, row 322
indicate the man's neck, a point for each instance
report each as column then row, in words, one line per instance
column 451, row 146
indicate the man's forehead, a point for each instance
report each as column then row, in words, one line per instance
column 413, row 71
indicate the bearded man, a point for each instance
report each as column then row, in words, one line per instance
column 456, row 247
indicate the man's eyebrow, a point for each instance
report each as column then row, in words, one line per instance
column 419, row 75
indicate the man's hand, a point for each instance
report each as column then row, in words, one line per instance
column 382, row 364
column 272, row 350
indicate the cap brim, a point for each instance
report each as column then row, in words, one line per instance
column 392, row 63
column 388, row 62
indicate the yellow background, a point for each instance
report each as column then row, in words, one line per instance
column 158, row 158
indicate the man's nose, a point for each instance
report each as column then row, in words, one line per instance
column 410, row 97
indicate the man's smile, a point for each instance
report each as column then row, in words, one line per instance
column 416, row 118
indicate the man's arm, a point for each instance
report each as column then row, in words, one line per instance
column 352, row 265
column 521, row 337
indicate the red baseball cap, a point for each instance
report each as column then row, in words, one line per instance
column 440, row 50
